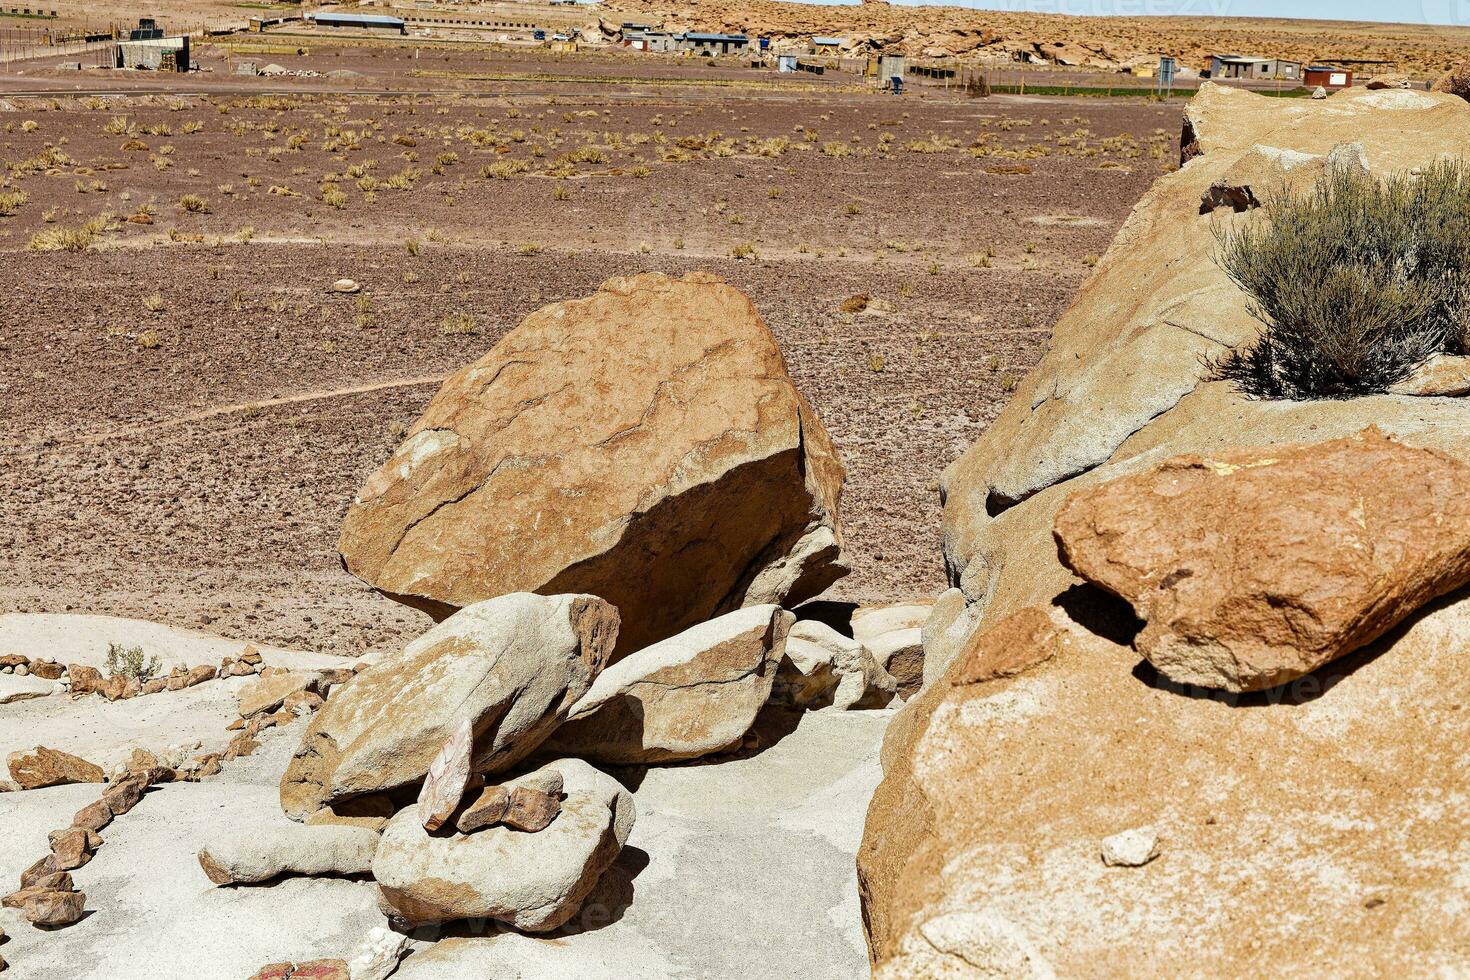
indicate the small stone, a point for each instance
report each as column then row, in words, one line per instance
column 47, row 671
column 495, row 803
column 93, row 816
column 13, row 660
column 21, row 670
column 54, row 908
column 84, row 680
column 346, row 286
column 1319, row 92
column 250, row 655
column 71, row 848
column 124, row 794
column 155, row 685
column 1131, row 848
column 302, row 702
column 377, row 955
column 531, row 810
column 142, row 759
column 35, row 873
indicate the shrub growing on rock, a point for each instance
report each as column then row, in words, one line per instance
column 1358, row 281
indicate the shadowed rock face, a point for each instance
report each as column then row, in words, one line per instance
column 645, row 445
column 981, row 846
column 512, row 666
column 1254, row 567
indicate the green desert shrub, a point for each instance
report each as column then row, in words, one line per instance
column 1357, row 281
column 129, row 662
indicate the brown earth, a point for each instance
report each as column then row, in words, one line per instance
column 189, row 413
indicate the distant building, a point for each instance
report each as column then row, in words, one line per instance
column 713, row 45
column 154, row 54
column 827, row 45
column 1236, row 66
column 1327, row 76
column 376, row 22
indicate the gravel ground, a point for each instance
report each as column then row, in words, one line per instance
column 188, row 409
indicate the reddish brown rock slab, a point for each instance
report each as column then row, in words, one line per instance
column 47, row 671
column 53, row 909
column 716, row 485
column 84, row 679
column 321, row 970
column 274, row 971
column 13, row 660
column 1253, row 567
column 93, row 816
column 124, row 794
column 51, row 767
column 37, row 872
column 531, row 810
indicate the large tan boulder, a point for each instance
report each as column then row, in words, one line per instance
column 644, row 444
column 536, row 882
column 692, row 695
column 1301, row 834
column 1253, row 567
column 1118, row 392
column 513, row 666
column 44, row 767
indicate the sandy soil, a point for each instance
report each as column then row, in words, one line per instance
column 188, row 409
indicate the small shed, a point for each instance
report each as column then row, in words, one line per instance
column 1327, row 76
column 711, row 45
column 376, row 22
column 785, row 63
column 154, row 54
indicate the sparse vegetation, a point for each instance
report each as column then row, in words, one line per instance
column 130, row 662
column 1357, row 281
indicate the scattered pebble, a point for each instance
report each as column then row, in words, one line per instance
column 1131, row 848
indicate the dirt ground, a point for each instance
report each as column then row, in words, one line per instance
column 188, row 409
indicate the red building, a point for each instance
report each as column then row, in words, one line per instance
column 1327, row 77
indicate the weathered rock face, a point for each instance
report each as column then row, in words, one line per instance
column 1305, row 817
column 645, row 445
column 512, row 665
column 691, row 695
column 1251, row 568
column 535, row 882
column 973, row 781
column 894, row 635
column 282, row 847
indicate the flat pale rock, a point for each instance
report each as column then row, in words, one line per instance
column 51, row 767
column 645, row 444
column 444, row 784
column 1130, row 848
column 822, row 668
column 265, row 694
column 514, row 666
column 694, row 694
column 1253, row 567
column 15, row 687
column 377, row 955
column 1442, row 376
column 535, row 882
column 280, row 846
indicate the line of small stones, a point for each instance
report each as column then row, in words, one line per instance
column 48, row 896
column 89, row 680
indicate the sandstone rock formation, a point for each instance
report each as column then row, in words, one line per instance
column 1251, row 568
column 644, row 444
column 894, row 635
column 512, row 665
column 993, row 806
column 823, row 668
column 691, row 695
column 279, row 847
column 535, row 882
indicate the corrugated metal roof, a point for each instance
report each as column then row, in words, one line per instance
column 828, row 40
column 374, row 20
column 716, row 37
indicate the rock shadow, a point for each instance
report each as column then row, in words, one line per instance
column 1100, row 613
column 1309, row 687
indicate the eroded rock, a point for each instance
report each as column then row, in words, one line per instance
column 699, row 480
column 51, row 767
column 281, row 847
column 513, row 666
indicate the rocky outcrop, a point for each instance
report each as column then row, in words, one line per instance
column 894, row 635
column 281, row 847
column 513, row 666
column 535, row 882
column 1253, row 567
column 975, row 818
column 694, row 694
column 644, row 444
